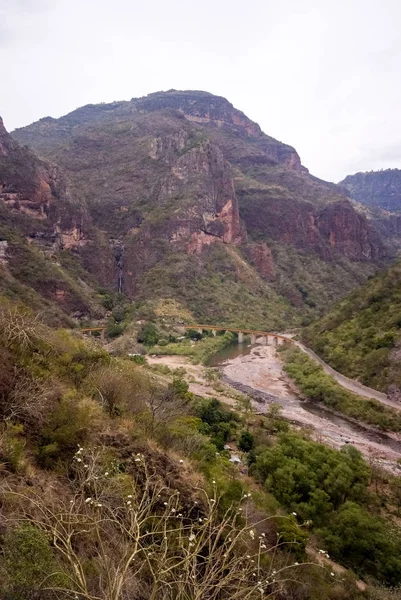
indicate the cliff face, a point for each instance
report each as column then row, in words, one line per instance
column 380, row 189
column 185, row 174
column 39, row 218
column 36, row 188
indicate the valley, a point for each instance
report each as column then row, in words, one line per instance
column 141, row 457
column 258, row 371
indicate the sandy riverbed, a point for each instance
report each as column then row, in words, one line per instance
column 262, row 371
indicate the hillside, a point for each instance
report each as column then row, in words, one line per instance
column 361, row 336
column 40, row 221
column 190, row 200
column 377, row 189
column 116, row 484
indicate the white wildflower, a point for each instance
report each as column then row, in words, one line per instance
column 88, row 500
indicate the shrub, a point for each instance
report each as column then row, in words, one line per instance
column 148, row 335
column 68, row 425
column 246, row 441
column 28, row 563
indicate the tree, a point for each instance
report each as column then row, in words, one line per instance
column 148, row 335
column 246, row 442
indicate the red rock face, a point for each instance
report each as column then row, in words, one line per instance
column 348, row 232
column 261, row 257
column 200, row 173
column 38, row 189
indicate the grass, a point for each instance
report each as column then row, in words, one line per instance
column 317, row 386
column 199, row 351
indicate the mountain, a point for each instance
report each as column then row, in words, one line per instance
column 377, row 189
column 40, row 221
column 186, row 198
column 361, row 336
column 379, row 196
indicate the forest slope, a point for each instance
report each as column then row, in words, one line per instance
column 361, row 335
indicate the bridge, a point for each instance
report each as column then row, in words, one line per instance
column 89, row 330
column 254, row 333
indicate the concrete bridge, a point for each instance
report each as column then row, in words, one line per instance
column 266, row 335
column 253, row 333
column 89, row 330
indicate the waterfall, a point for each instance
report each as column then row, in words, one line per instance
column 118, row 248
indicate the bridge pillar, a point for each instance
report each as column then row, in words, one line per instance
column 240, row 337
column 253, row 338
column 275, row 341
column 214, row 332
column 266, row 340
column 102, row 334
column 200, row 330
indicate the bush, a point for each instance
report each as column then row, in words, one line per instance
column 148, row 335
column 28, row 562
column 68, row 425
column 246, row 441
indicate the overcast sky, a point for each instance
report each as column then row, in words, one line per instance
column 321, row 75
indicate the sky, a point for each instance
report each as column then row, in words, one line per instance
column 321, row 75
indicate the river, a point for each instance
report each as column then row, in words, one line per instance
column 257, row 370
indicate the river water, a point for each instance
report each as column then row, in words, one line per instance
column 257, row 370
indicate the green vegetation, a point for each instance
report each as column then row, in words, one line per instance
column 115, row 475
column 317, row 386
column 329, row 490
column 199, row 351
column 359, row 337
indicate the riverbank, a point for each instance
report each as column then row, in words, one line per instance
column 258, row 372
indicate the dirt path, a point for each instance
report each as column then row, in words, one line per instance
column 350, row 384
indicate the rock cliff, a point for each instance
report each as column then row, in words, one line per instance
column 193, row 191
column 381, row 189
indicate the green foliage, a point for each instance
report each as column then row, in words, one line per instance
column 148, row 334
column 114, row 329
column 217, row 422
column 246, row 441
column 358, row 336
column 138, row 359
column 12, row 447
column 28, row 564
column 364, row 542
column 310, row 478
column 320, row 387
column 67, row 427
column 199, row 351
column 292, row 536
column 329, row 489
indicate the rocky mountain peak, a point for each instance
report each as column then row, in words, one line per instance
column 201, row 107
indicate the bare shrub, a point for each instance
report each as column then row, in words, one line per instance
column 123, row 538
